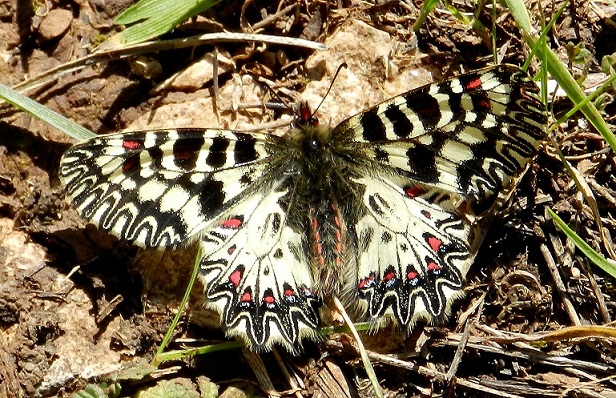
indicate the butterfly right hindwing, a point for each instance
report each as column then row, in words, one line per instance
column 254, row 267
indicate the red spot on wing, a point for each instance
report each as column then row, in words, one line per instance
column 130, row 164
column 132, row 144
column 183, row 155
column 435, row 243
column 389, row 275
column 426, row 214
column 232, row 223
column 246, row 297
column 231, row 249
column 289, row 292
column 433, row 267
column 412, row 275
column 413, row 192
column 483, row 104
column 473, row 84
column 269, row 299
column 366, row 282
column 236, row 277
column 186, row 148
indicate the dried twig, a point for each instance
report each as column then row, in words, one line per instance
column 105, row 55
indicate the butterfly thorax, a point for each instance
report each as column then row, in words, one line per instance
column 313, row 149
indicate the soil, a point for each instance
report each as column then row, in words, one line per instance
column 80, row 309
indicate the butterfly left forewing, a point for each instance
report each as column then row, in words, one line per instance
column 468, row 135
column 160, row 188
column 413, row 251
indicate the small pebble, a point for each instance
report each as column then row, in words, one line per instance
column 55, row 24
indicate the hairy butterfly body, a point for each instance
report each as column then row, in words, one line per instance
column 386, row 211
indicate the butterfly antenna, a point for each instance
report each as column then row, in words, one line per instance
column 342, row 65
column 279, row 98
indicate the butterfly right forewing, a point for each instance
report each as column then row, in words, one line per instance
column 160, row 188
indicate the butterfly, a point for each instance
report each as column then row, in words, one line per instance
column 385, row 211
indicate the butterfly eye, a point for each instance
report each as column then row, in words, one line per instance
column 297, row 123
column 303, row 121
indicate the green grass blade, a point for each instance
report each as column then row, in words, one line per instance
column 584, row 247
column 427, row 8
column 143, row 10
column 191, row 352
column 605, row 86
column 158, row 17
column 50, row 117
column 559, row 71
column 180, row 311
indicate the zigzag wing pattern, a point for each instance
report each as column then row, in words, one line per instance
column 443, row 153
column 414, row 252
column 468, row 135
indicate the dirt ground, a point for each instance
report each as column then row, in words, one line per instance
column 79, row 308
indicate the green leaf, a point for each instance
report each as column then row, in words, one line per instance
column 99, row 391
column 208, row 388
column 170, row 389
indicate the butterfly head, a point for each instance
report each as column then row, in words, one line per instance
column 305, row 117
column 306, row 132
